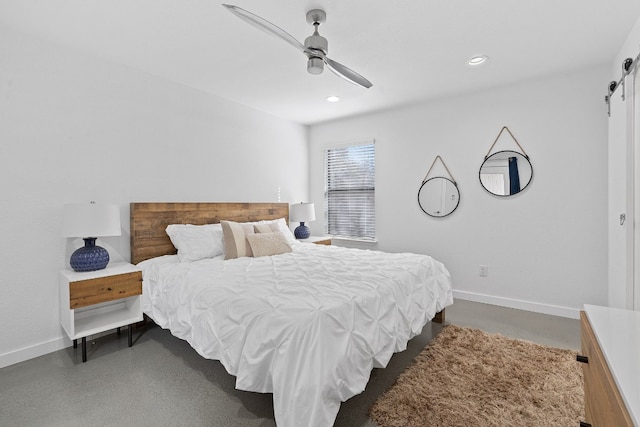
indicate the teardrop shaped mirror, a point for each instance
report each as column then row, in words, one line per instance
column 438, row 196
column 506, row 173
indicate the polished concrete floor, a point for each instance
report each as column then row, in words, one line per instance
column 161, row 381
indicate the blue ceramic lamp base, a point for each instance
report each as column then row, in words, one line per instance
column 90, row 257
column 302, row 231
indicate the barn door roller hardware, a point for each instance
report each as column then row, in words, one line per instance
column 628, row 65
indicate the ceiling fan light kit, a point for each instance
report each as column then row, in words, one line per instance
column 315, row 46
column 315, row 65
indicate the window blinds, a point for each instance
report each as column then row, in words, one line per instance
column 350, row 192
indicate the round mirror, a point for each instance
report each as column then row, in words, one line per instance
column 506, row 173
column 438, row 196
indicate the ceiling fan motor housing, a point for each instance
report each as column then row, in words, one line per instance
column 316, row 43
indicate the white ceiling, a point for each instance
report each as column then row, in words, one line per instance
column 411, row 50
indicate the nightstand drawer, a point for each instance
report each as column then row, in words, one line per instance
column 83, row 293
column 318, row 240
column 323, row 242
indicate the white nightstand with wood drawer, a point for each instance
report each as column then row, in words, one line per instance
column 96, row 301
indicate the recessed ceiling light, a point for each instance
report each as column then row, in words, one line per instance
column 476, row 60
column 333, row 98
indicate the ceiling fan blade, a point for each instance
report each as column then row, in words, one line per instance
column 347, row 73
column 264, row 25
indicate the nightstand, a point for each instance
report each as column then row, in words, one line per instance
column 96, row 301
column 318, row 240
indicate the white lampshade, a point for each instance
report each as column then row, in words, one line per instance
column 302, row 212
column 90, row 220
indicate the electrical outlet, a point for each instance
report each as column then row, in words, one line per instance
column 484, row 271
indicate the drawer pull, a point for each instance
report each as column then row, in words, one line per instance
column 109, row 289
column 582, row 359
column 583, row 424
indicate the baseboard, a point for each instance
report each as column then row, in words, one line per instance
column 26, row 353
column 56, row 344
column 554, row 310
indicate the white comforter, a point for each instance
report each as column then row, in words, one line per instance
column 308, row 326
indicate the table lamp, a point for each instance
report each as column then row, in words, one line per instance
column 302, row 212
column 95, row 220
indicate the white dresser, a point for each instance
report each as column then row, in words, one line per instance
column 611, row 341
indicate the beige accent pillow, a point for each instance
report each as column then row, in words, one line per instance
column 266, row 244
column 279, row 224
column 235, row 239
column 266, row 228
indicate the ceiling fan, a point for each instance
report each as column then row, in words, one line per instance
column 315, row 46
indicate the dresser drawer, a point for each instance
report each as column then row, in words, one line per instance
column 83, row 293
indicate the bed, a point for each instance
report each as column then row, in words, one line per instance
column 307, row 325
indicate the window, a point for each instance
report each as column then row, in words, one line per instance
column 350, row 202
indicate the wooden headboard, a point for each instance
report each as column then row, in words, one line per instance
column 149, row 220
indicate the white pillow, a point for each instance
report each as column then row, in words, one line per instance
column 282, row 227
column 196, row 242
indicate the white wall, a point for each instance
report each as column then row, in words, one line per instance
column 620, row 258
column 76, row 128
column 545, row 248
